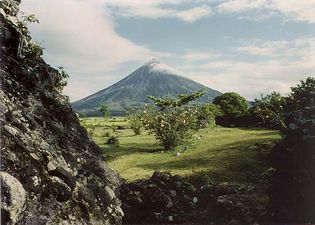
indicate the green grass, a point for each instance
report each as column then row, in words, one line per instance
column 225, row 154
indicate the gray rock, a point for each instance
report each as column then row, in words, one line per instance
column 13, row 197
column 49, row 156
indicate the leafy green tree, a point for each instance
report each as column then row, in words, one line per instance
column 105, row 110
column 271, row 110
column 301, row 94
column 172, row 122
column 233, row 107
column 207, row 114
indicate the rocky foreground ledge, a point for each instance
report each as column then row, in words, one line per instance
column 51, row 171
column 167, row 199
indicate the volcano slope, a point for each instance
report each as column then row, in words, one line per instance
column 153, row 78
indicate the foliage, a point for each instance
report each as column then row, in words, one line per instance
column 172, row 122
column 233, row 107
column 89, row 128
column 105, row 110
column 206, row 115
column 112, row 140
column 183, row 99
column 62, row 78
column 106, row 134
column 23, row 23
column 28, row 48
column 301, row 94
column 134, row 118
column 271, row 110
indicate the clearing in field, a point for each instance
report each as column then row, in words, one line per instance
column 224, row 154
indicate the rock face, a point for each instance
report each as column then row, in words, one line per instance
column 51, row 171
column 292, row 194
column 169, row 199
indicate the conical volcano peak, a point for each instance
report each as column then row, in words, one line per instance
column 152, row 78
column 155, row 66
column 153, row 61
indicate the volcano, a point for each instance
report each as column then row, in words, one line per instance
column 153, row 78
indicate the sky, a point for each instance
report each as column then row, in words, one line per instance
column 252, row 47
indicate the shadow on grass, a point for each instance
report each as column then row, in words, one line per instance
column 113, row 152
column 238, row 161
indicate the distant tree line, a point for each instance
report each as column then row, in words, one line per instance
column 174, row 120
column 268, row 111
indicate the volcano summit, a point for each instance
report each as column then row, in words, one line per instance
column 153, row 78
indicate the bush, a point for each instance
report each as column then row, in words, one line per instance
column 105, row 110
column 62, row 79
column 112, row 140
column 301, row 94
column 270, row 109
column 106, row 134
column 172, row 123
column 135, row 122
column 207, row 114
column 233, row 107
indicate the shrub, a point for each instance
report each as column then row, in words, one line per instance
column 301, row 94
column 207, row 114
column 105, row 110
column 172, row 122
column 270, row 109
column 233, row 107
column 135, row 122
column 112, row 140
column 28, row 48
column 62, row 78
column 106, row 134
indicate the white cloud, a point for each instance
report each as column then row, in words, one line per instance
column 302, row 46
column 295, row 61
column 158, row 9
column 301, row 10
column 236, row 6
column 194, row 14
column 197, row 56
column 81, row 36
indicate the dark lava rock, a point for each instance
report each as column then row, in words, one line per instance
column 51, row 171
column 292, row 194
column 169, row 199
column 159, row 199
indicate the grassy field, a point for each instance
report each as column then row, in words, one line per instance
column 225, row 154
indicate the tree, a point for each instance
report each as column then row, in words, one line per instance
column 271, row 110
column 104, row 109
column 207, row 114
column 233, row 107
column 172, row 122
column 301, row 94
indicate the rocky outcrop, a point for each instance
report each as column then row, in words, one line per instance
column 51, row 171
column 169, row 199
column 292, row 194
